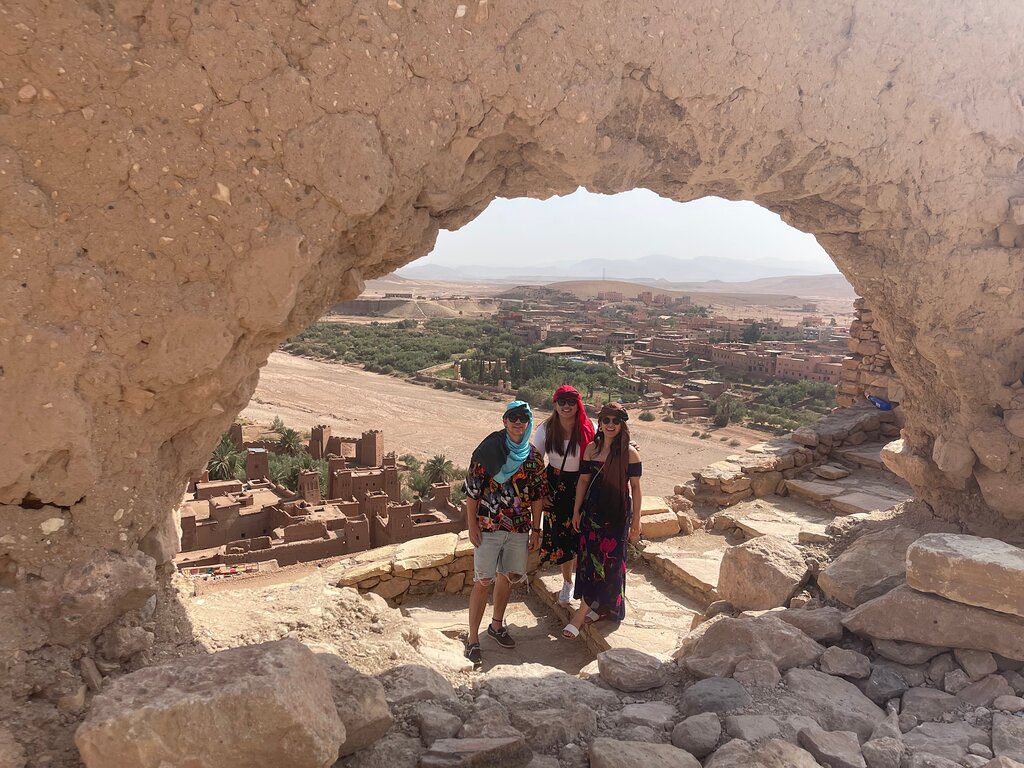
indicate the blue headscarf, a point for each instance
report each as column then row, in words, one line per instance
column 517, row 452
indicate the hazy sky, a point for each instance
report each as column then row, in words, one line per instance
column 626, row 226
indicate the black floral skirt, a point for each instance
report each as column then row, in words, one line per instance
column 560, row 541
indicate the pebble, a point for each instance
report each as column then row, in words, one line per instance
column 980, row 749
column 27, row 92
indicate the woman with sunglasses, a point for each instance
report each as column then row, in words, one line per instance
column 562, row 438
column 607, row 516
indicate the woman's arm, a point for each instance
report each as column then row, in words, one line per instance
column 638, row 498
column 582, row 484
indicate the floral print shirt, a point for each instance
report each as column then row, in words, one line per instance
column 507, row 507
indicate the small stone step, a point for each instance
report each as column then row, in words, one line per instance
column 830, row 472
column 814, row 490
column 860, row 501
column 866, row 455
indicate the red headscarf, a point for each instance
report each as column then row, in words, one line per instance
column 583, row 424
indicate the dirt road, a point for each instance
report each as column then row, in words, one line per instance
column 424, row 421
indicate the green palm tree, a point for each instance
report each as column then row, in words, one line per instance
column 290, row 441
column 439, row 469
column 225, row 462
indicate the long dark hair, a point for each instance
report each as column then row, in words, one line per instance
column 614, row 484
column 554, row 435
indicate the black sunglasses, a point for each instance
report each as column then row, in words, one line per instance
column 611, row 420
column 518, row 416
column 566, row 401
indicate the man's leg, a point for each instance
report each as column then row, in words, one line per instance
column 502, row 590
column 511, row 570
column 477, row 606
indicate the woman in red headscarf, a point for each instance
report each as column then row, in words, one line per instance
column 562, row 438
column 607, row 516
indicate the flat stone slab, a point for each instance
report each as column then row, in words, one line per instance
column 830, row 472
column 917, row 617
column 861, row 501
column 814, row 490
column 654, row 505
column 871, row 566
column 785, row 518
column 864, row 455
column 428, row 552
column 696, row 571
column 969, row 569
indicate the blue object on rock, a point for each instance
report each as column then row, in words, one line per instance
column 880, row 404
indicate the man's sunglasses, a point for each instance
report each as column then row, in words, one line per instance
column 519, row 417
column 611, row 420
column 566, row 401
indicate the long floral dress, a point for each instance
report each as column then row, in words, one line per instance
column 560, row 540
column 601, row 566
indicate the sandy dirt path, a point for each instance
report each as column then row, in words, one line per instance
column 425, row 421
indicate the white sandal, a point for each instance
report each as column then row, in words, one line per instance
column 571, row 631
column 593, row 616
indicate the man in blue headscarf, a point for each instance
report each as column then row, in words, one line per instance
column 504, row 499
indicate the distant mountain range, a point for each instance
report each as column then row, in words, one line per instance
column 652, row 267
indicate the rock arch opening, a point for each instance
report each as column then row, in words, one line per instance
column 183, row 191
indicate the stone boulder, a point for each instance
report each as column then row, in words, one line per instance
column 608, row 753
column 886, row 752
column 756, row 673
column 907, row 615
column 360, row 701
column 987, row 573
column 774, row 753
column 845, row 663
column 949, row 740
column 715, row 694
column 871, row 566
column 928, row 704
column 190, row 712
column 698, row 734
column 822, row 624
column 832, row 702
column 729, row 641
column 435, row 723
column 510, row 752
column 905, row 653
column 415, row 682
column 628, row 669
column 977, row 664
column 762, row 573
column 547, row 729
column 836, row 749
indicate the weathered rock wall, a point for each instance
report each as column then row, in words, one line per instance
column 183, row 185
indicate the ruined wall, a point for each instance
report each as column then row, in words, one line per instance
column 868, row 370
column 183, row 185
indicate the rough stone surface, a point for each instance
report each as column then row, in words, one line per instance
column 762, row 573
column 435, row 723
column 608, row 753
column 871, row 566
column 976, row 664
column 969, row 569
column 414, row 682
column 698, row 734
column 11, row 753
column 949, row 740
column 509, row 752
column 1008, row 736
column 907, row 615
column 985, row 691
column 1008, row 703
column 928, row 704
column 277, row 689
column 209, row 190
column 756, row 673
column 838, row 749
column 752, row 728
column 526, row 686
column 547, row 729
column 774, row 753
column 628, row 669
column 845, row 663
column 730, row 641
column 655, row 714
column 360, row 701
column 883, row 684
column 715, row 694
column 905, row 653
column 833, row 703
column 822, row 624
column 886, row 752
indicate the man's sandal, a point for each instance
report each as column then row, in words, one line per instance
column 571, row 631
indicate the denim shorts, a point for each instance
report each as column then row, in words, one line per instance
column 500, row 552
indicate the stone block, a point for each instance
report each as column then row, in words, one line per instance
column 727, row 641
column 992, row 446
column 360, row 702
column 278, row 690
column 659, row 526
column 609, row 753
column 762, row 573
column 428, row 552
column 508, row 752
column 628, row 669
column 872, row 565
column 969, row 569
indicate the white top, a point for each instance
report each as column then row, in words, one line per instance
column 572, row 461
